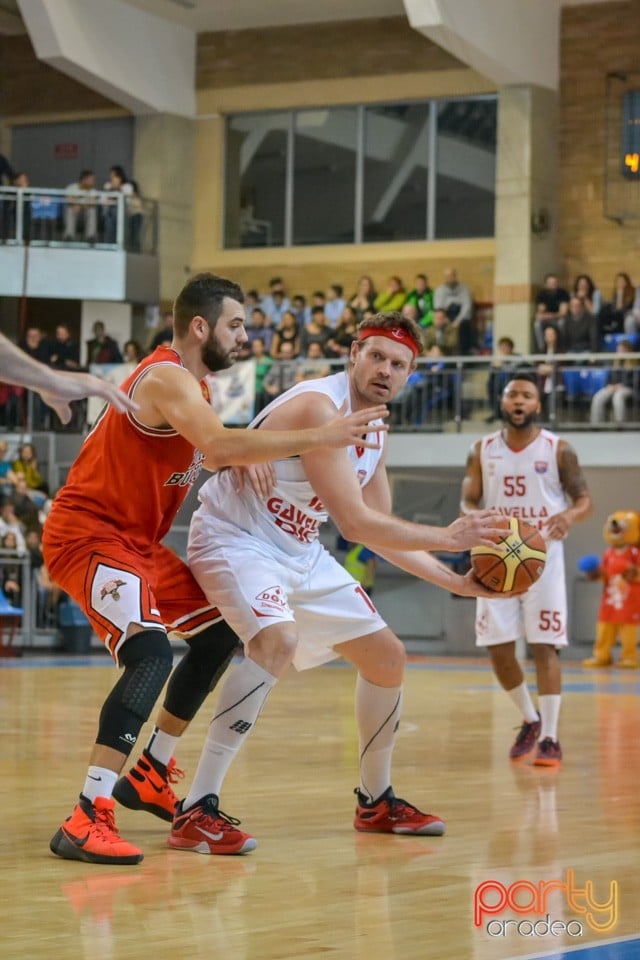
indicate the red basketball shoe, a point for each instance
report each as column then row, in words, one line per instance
column 90, row 834
column 390, row 814
column 204, row 828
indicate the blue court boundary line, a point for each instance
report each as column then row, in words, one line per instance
column 622, row 948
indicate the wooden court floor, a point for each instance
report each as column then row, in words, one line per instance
column 314, row 888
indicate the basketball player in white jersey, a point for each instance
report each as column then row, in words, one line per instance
column 290, row 601
column 528, row 472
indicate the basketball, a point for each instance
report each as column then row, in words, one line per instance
column 513, row 564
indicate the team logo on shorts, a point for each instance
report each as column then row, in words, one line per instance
column 111, row 588
column 273, row 598
column 541, row 466
column 482, row 624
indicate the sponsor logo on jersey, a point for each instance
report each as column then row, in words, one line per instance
column 316, row 504
column 272, row 597
column 111, row 588
column 294, row 521
column 541, row 466
column 536, row 516
column 186, row 478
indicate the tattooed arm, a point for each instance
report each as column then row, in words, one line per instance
column 575, row 486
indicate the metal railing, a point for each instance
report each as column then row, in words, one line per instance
column 92, row 218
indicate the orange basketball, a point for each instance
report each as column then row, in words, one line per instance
column 513, row 564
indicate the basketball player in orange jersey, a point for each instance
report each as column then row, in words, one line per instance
column 290, row 601
column 528, row 472
column 57, row 388
column 103, row 545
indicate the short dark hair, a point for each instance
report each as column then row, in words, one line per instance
column 526, row 373
column 316, row 310
column 203, row 296
column 338, row 289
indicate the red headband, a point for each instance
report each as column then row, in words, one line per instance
column 396, row 334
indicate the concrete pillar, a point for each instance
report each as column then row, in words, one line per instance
column 526, row 206
column 164, row 166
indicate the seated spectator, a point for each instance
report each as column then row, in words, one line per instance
column 339, row 343
column 118, row 182
column 422, row 298
column 11, row 573
column 81, row 209
column 282, row 374
column 9, row 523
column 102, row 348
column 552, row 303
column 259, row 328
column 549, row 371
column 12, row 407
column 7, row 475
column 334, row 304
column 316, row 331
column 364, row 297
column 617, row 314
column 443, row 334
column 586, row 291
column 288, row 331
column 411, row 312
column 313, row 364
column 263, row 363
column 300, row 309
column 454, row 297
column 24, row 506
column 276, row 303
column 503, row 364
column 392, row 298
column 579, row 329
column 27, row 466
column 622, row 386
column 65, row 352
column 164, row 334
column 251, row 301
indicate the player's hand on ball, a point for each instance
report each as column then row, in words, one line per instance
column 482, row 528
column 515, row 563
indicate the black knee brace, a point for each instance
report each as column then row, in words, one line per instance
column 147, row 659
column 198, row 672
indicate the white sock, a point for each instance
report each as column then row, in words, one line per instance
column 522, row 699
column 239, row 705
column 99, row 783
column 162, row 745
column 378, row 712
column 549, row 714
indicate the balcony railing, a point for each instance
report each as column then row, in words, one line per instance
column 105, row 219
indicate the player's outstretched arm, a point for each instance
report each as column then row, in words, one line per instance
column 57, row 388
column 426, row 567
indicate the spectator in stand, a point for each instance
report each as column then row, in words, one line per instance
column 11, row 573
column 24, row 507
column 37, row 346
column 301, row 310
column 614, row 314
column 552, row 304
column 251, row 301
column 585, row 290
column 7, row 475
column 339, row 344
column 65, row 352
column 27, row 465
column 316, row 331
column 411, row 312
column 118, row 182
column 288, row 331
column 623, row 385
column 442, row 333
column 392, row 298
column 422, row 298
column 282, row 374
column 313, row 364
column 579, row 329
column 364, row 297
column 263, row 363
column 132, row 353
column 503, row 364
column 102, row 348
column 259, row 329
column 334, row 304
column 276, row 303
column 81, row 209
column 164, row 333
column 549, row 372
column 9, row 523
column 454, row 297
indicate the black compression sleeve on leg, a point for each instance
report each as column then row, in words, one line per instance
column 198, row 672
column 147, row 658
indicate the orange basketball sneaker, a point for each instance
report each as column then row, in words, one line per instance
column 147, row 786
column 204, row 828
column 390, row 814
column 90, row 834
column 548, row 754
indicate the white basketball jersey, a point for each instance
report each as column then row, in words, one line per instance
column 523, row 483
column 292, row 514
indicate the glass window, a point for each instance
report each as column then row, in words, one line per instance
column 255, row 182
column 396, row 155
column 324, row 175
column 466, row 168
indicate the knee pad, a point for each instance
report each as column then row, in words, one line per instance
column 147, row 659
column 198, row 672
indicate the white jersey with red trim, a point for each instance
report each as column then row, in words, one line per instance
column 523, row 483
column 291, row 516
